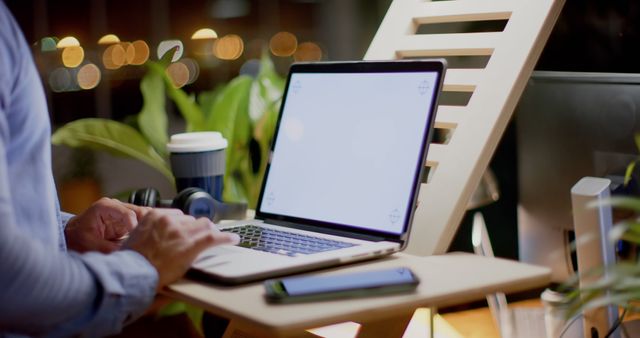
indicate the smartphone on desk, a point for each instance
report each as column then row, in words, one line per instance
column 353, row 284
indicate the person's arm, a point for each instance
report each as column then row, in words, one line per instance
column 45, row 291
column 42, row 289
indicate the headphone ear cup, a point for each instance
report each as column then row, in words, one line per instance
column 147, row 197
column 195, row 202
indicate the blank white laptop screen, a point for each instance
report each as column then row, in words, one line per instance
column 348, row 148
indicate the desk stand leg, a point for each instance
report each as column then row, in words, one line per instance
column 391, row 327
column 432, row 328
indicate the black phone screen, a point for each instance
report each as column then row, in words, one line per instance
column 299, row 286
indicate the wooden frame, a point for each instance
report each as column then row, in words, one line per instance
column 474, row 129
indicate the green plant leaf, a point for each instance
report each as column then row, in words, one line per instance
column 208, row 99
column 233, row 97
column 186, row 104
column 167, row 58
column 631, row 203
column 152, row 119
column 111, row 136
column 175, row 308
column 629, row 172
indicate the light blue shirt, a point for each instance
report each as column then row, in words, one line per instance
column 44, row 290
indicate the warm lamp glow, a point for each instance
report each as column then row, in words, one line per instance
column 193, row 67
column 308, row 51
column 229, row 47
column 68, row 41
column 88, row 76
column 204, row 33
column 179, row 74
column 141, row 52
column 283, row 44
column 129, row 52
column 72, row 56
column 108, row 39
column 114, row 57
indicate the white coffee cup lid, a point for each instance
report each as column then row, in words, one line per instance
column 196, row 141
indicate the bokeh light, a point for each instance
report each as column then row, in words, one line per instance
column 60, row 80
column 178, row 73
column 129, row 52
column 88, row 76
column 193, row 67
column 283, row 44
column 308, row 51
column 68, row 41
column 166, row 45
column 72, row 56
column 114, row 57
column 204, row 34
column 48, row 44
column 108, row 39
column 229, row 47
column 251, row 68
column 140, row 51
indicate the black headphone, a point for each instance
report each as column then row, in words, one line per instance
column 192, row 201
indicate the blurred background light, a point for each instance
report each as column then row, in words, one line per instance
column 308, row 51
column 48, row 44
column 129, row 52
column 283, row 44
column 178, row 73
column 193, row 67
column 229, row 47
column 72, row 56
column 68, row 41
column 164, row 47
column 140, row 51
column 108, row 39
column 60, row 80
column 114, row 57
column 88, row 76
column 251, row 68
column 204, row 33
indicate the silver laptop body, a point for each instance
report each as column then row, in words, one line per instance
column 345, row 168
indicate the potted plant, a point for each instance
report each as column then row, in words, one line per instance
column 244, row 110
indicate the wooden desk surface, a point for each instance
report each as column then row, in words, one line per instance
column 445, row 280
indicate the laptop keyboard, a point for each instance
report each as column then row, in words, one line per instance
column 282, row 242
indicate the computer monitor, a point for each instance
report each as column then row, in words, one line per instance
column 569, row 125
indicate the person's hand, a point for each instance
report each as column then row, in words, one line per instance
column 102, row 226
column 171, row 241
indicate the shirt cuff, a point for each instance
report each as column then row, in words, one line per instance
column 64, row 218
column 128, row 284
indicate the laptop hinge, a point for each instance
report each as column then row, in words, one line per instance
column 327, row 231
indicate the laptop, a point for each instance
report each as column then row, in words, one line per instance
column 342, row 181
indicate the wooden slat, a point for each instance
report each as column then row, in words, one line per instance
column 496, row 89
column 458, row 11
column 462, row 80
column 436, row 153
column 448, row 117
column 447, row 44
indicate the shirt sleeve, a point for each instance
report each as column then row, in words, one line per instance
column 46, row 291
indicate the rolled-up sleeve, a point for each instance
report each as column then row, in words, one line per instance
column 49, row 293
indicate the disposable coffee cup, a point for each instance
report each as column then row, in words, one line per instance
column 198, row 160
